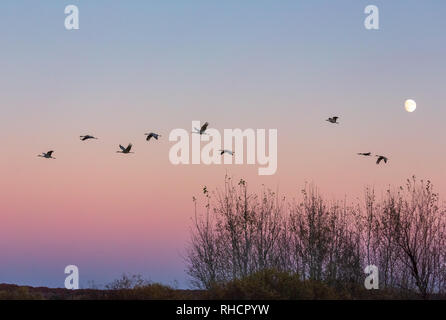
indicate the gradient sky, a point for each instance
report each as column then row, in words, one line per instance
column 138, row 66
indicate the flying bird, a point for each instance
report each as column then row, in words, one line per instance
column 380, row 158
column 367, row 154
column 47, row 155
column 227, row 151
column 125, row 150
column 333, row 120
column 152, row 135
column 202, row 129
column 86, row 137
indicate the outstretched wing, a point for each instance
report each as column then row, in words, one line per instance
column 379, row 160
column 204, row 127
column 129, row 147
column 122, row 148
column 150, row 135
column 49, row 153
column 335, row 118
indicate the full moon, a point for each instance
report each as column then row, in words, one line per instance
column 410, row 105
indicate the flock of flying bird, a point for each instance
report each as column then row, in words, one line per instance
column 126, row 150
column 365, row 154
column 201, row 131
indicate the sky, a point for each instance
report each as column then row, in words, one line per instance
column 141, row 66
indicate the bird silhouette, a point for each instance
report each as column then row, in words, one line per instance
column 86, row 137
column 125, row 150
column 202, row 129
column 47, row 155
column 367, row 154
column 227, row 151
column 333, row 120
column 152, row 135
column 381, row 158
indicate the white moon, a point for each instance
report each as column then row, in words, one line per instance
column 410, row 105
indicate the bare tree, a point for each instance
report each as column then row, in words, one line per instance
column 204, row 253
column 418, row 226
column 404, row 234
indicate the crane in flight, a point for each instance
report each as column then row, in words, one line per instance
column 152, row 135
column 202, row 129
column 366, row 154
column 86, row 137
column 125, row 150
column 381, row 158
column 333, row 120
column 47, row 155
column 230, row 152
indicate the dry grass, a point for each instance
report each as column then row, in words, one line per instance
column 263, row 285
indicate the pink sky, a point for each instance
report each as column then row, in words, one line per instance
column 159, row 67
